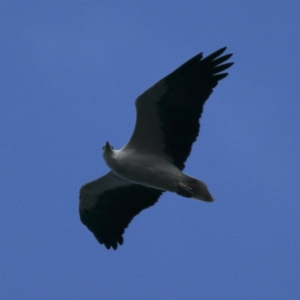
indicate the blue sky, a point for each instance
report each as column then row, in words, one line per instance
column 70, row 73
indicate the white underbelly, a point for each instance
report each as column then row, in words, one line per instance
column 151, row 171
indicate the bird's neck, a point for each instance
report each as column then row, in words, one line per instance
column 110, row 157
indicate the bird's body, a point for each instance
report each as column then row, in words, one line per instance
column 144, row 168
column 151, row 170
column 152, row 161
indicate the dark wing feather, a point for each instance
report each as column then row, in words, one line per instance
column 180, row 108
column 108, row 213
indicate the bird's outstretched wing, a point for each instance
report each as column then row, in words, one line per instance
column 108, row 204
column 168, row 113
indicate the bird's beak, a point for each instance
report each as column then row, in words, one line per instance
column 107, row 144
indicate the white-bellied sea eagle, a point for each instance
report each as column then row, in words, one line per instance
column 151, row 163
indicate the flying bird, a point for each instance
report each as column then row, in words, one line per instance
column 151, row 163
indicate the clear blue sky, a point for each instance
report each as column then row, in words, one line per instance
column 70, row 73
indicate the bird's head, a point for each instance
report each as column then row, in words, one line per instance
column 108, row 153
column 107, row 148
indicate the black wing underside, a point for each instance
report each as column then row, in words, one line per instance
column 114, row 210
column 181, row 106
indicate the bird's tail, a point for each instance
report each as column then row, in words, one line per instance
column 194, row 188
